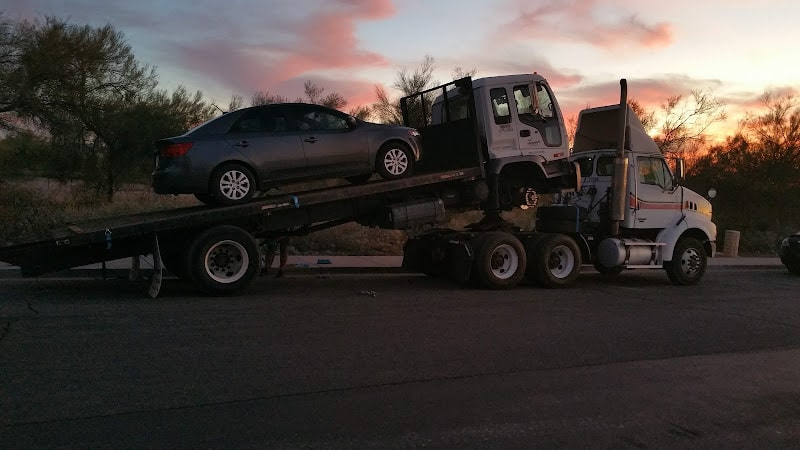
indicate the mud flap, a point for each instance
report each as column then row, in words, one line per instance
column 460, row 257
column 135, row 273
column 155, row 282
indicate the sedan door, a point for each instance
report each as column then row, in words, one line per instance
column 333, row 144
column 264, row 136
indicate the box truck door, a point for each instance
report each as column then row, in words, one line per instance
column 539, row 122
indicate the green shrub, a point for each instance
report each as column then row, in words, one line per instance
column 26, row 215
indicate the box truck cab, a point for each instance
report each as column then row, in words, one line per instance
column 521, row 129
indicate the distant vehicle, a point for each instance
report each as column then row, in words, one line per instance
column 227, row 159
column 790, row 253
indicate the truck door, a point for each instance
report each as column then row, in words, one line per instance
column 539, row 122
column 656, row 201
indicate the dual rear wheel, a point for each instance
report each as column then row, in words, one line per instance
column 501, row 261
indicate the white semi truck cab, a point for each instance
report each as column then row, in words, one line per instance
column 632, row 210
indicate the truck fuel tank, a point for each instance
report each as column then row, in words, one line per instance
column 630, row 253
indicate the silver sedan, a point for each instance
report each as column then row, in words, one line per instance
column 227, row 159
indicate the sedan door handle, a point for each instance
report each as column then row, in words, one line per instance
column 242, row 144
column 524, row 133
column 310, row 140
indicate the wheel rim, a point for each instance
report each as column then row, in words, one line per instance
column 234, row 185
column 690, row 262
column 226, row 261
column 561, row 262
column 396, row 161
column 504, row 262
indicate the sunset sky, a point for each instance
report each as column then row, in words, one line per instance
column 735, row 48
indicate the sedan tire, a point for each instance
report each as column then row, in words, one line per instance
column 232, row 184
column 394, row 161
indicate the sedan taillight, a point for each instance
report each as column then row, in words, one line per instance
column 175, row 150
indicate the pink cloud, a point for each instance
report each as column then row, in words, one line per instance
column 268, row 56
column 578, row 21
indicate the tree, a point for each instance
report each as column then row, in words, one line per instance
column 758, row 167
column 648, row 118
column 9, row 64
column 776, row 132
column 685, row 121
column 314, row 94
column 265, row 98
column 84, row 86
column 407, row 82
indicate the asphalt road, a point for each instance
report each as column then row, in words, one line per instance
column 399, row 361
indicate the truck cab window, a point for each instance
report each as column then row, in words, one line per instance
column 526, row 109
column 586, row 165
column 605, row 166
column 654, row 171
column 499, row 98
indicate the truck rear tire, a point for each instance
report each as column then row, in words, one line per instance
column 223, row 260
column 688, row 263
column 500, row 260
column 557, row 261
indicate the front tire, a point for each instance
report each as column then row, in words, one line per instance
column 232, row 184
column 688, row 262
column 393, row 161
column 500, row 260
column 223, row 260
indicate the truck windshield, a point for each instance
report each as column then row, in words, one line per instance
column 524, row 103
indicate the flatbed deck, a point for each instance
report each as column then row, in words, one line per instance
column 116, row 237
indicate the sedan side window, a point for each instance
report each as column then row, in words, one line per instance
column 317, row 120
column 260, row 121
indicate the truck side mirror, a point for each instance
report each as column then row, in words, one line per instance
column 680, row 170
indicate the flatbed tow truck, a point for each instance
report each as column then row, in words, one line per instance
column 227, row 235
column 482, row 151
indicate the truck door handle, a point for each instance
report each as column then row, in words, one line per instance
column 242, row 144
column 311, row 139
column 524, row 133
